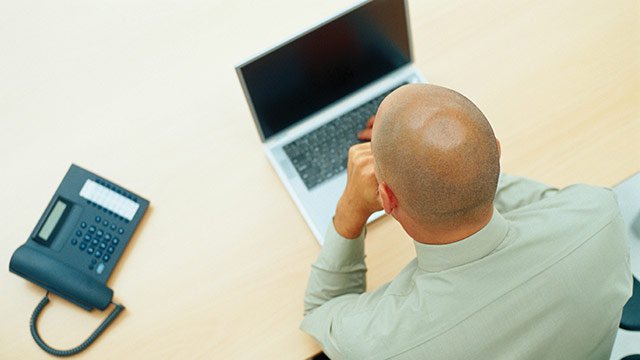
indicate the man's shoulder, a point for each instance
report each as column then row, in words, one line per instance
column 601, row 196
column 575, row 211
column 581, row 199
column 598, row 199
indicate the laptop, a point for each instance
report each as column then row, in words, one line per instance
column 313, row 93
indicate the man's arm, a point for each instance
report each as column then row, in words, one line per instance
column 340, row 267
column 514, row 192
column 337, row 280
column 339, row 270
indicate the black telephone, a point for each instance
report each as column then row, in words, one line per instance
column 77, row 243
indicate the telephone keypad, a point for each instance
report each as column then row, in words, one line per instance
column 98, row 242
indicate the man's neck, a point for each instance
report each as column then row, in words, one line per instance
column 439, row 235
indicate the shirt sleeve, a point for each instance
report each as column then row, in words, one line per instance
column 339, row 270
column 514, row 192
column 336, row 291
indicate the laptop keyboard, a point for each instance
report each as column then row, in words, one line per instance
column 322, row 154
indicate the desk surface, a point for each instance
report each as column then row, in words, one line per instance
column 144, row 93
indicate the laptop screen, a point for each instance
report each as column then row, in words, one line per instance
column 321, row 66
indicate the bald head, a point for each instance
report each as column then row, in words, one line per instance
column 438, row 154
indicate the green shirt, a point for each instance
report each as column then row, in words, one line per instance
column 546, row 278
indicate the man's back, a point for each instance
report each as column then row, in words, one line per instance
column 545, row 279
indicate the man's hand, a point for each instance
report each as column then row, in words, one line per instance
column 360, row 198
column 365, row 134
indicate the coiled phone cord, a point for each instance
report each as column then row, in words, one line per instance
column 36, row 336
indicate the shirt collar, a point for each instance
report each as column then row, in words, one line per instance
column 434, row 258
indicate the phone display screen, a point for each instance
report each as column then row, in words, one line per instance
column 52, row 221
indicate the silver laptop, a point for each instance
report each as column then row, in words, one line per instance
column 312, row 94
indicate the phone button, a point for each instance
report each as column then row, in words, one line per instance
column 100, row 268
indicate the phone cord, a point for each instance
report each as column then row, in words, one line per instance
column 36, row 336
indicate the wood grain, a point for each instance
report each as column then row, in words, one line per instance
column 144, row 92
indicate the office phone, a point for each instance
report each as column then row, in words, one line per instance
column 77, row 243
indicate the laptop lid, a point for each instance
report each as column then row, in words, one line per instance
column 319, row 67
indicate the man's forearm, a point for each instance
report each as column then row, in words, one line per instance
column 339, row 270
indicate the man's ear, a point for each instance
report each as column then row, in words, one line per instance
column 499, row 149
column 389, row 200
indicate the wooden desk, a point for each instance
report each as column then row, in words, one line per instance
column 144, row 93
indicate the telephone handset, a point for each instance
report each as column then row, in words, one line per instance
column 77, row 243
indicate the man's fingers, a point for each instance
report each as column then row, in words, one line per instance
column 365, row 135
column 372, row 119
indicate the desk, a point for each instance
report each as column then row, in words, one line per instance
column 144, row 93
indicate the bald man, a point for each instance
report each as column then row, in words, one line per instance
column 505, row 267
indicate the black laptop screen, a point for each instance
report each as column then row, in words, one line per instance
column 319, row 67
